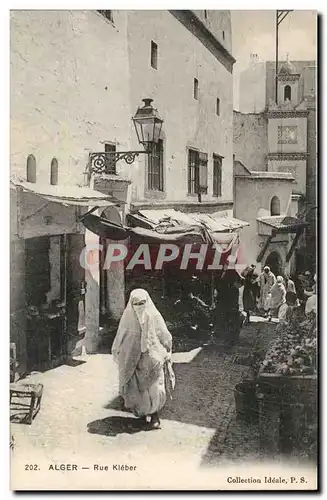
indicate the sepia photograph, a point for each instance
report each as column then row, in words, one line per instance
column 163, row 250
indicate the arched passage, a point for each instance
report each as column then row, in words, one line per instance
column 275, row 206
column 274, row 261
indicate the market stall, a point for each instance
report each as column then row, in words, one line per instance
column 287, row 388
column 177, row 257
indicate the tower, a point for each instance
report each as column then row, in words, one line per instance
column 287, row 129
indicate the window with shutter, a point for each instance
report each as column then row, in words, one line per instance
column 193, row 171
column 197, row 172
column 217, row 174
column 155, row 167
column 203, row 173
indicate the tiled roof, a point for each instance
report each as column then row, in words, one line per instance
column 282, row 222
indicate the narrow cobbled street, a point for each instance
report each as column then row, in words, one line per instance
column 82, row 422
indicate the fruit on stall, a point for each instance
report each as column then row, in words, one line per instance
column 294, row 352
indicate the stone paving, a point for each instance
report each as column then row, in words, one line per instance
column 81, row 418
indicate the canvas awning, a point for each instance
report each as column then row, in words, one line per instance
column 182, row 234
column 160, row 220
column 104, row 227
column 68, row 195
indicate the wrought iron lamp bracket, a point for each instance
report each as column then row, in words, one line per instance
column 100, row 163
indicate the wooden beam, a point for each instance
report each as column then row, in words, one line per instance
column 293, row 245
column 264, row 248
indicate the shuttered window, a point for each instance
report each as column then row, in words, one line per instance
column 193, row 171
column 217, row 174
column 197, row 172
column 203, row 174
column 155, row 168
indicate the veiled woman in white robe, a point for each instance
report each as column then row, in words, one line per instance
column 267, row 281
column 142, row 349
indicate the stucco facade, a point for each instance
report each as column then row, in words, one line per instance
column 219, row 23
column 254, row 192
column 60, row 62
column 303, row 91
column 70, row 77
column 291, row 142
column 77, row 79
column 251, row 139
column 188, row 122
column 252, row 92
column 275, row 143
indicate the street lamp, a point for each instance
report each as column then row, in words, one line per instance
column 147, row 125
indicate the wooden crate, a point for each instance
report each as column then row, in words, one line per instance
column 297, row 388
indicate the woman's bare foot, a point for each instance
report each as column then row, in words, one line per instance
column 155, row 421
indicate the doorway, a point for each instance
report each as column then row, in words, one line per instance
column 44, row 285
column 274, row 261
column 55, row 298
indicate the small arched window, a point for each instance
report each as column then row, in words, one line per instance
column 287, row 92
column 54, row 172
column 275, row 206
column 31, row 169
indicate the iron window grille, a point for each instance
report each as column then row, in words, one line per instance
column 155, row 168
column 193, row 171
column 110, row 160
column 217, row 175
